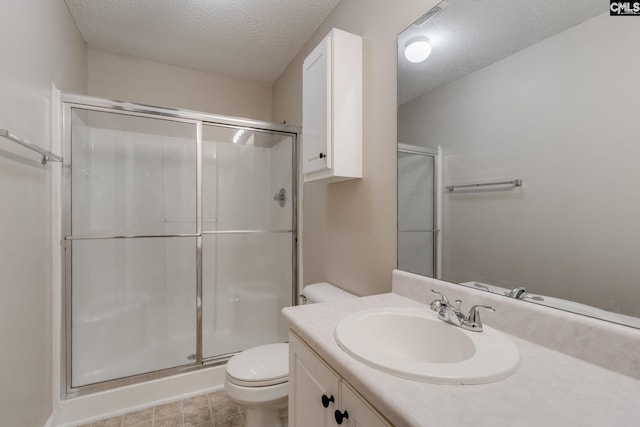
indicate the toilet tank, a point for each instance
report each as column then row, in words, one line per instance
column 323, row 292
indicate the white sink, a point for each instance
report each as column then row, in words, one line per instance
column 411, row 342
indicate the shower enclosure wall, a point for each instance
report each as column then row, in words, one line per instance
column 180, row 239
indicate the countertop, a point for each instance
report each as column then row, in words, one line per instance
column 550, row 388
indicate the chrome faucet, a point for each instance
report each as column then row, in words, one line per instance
column 452, row 314
column 517, row 293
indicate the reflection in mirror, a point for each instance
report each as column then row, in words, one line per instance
column 545, row 93
column 419, row 218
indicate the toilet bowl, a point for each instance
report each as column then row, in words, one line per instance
column 258, row 378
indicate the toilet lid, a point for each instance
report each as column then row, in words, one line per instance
column 263, row 365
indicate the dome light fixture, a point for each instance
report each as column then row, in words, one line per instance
column 417, row 50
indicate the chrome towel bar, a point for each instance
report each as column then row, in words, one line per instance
column 47, row 156
column 513, row 182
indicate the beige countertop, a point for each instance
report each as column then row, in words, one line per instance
column 549, row 389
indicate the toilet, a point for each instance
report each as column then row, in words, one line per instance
column 258, row 378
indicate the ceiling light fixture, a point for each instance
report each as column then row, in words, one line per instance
column 417, row 50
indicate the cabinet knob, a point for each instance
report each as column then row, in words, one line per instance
column 322, row 155
column 327, row 400
column 341, row 416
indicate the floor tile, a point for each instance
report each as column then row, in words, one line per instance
column 109, row 422
column 205, row 410
column 227, row 416
column 137, row 417
column 143, row 424
column 167, row 409
column 195, row 402
column 174, row 420
column 195, row 416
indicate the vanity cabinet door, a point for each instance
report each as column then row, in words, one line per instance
column 312, row 385
column 319, row 397
column 359, row 412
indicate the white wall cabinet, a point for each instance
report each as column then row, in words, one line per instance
column 332, row 109
column 319, row 397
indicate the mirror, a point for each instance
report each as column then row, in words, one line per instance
column 535, row 108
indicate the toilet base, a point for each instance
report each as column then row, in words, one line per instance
column 263, row 417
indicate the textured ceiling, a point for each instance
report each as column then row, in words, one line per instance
column 244, row 39
column 471, row 34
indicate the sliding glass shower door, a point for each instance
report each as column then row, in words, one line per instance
column 132, row 244
column 247, row 248
column 179, row 238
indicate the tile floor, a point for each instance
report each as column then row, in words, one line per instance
column 206, row 410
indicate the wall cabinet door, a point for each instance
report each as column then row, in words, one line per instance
column 317, row 392
column 316, row 120
column 332, row 109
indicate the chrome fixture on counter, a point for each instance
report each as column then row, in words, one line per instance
column 450, row 314
column 517, row 293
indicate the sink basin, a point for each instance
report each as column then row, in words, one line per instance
column 411, row 342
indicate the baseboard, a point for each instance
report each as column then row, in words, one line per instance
column 51, row 421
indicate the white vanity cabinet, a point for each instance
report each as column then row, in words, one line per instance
column 317, row 393
column 332, row 109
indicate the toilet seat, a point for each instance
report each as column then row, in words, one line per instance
column 261, row 366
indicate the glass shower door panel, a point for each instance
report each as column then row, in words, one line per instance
column 247, row 280
column 131, row 175
column 248, row 239
column 132, row 286
column 243, row 170
column 416, row 213
column 132, row 308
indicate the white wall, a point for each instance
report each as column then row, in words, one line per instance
column 350, row 227
column 125, row 78
column 544, row 115
column 40, row 45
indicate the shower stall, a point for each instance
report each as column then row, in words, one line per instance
column 179, row 239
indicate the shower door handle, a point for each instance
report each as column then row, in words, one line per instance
column 281, row 197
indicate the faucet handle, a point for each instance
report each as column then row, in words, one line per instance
column 474, row 314
column 458, row 304
column 443, row 298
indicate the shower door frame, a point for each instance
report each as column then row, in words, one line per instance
column 199, row 119
column 436, row 154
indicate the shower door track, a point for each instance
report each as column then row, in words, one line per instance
column 70, row 101
column 155, row 236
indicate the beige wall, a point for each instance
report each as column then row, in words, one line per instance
column 125, row 78
column 349, row 228
column 40, row 45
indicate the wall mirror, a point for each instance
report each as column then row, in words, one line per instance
column 519, row 152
